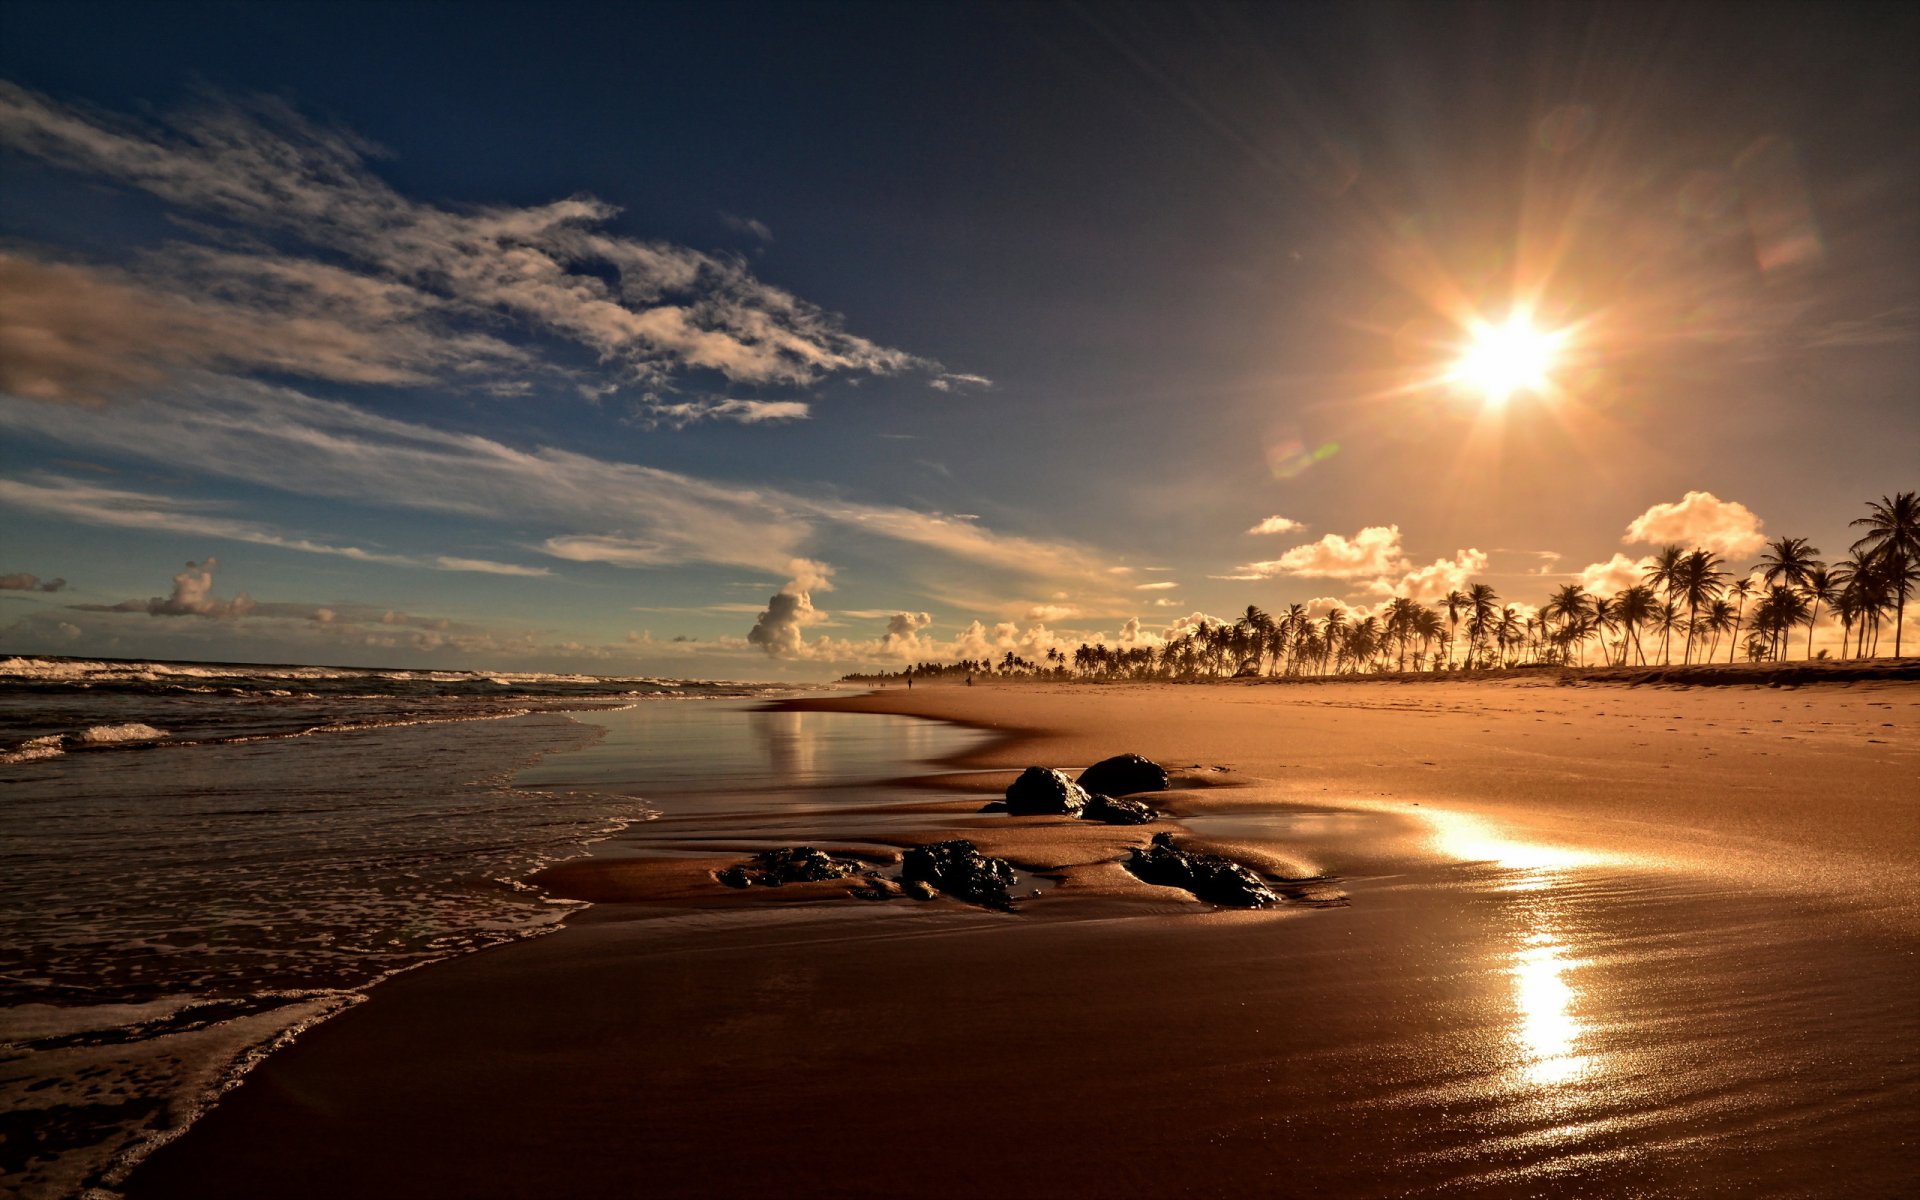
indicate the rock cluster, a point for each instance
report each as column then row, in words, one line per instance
column 1042, row 791
column 1212, row 878
column 961, row 871
column 791, row 864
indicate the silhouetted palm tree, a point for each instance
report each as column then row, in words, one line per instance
column 1483, row 600
column 1819, row 587
column 1741, row 588
column 1456, row 602
column 1893, row 533
column 1635, row 607
column 1698, row 580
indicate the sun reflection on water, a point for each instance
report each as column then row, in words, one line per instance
column 1548, row 1033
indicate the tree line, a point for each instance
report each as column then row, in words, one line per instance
column 1687, row 602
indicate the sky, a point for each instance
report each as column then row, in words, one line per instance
column 778, row 341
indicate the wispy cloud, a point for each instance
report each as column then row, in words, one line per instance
column 601, row 511
column 326, row 270
column 92, row 504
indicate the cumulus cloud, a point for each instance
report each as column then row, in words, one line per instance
column 332, row 271
column 1370, row 553
column 193, row 596
column 1278, row 525
column 1612, row 576
column 1432, row 582
column 23, row 582
column 779, row 629
column 1699, row 519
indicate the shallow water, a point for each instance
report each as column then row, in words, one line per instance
column 201, row 859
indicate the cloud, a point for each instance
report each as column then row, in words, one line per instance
column 1613, row 576
column 1372, row 552
column 1052, row 612
column 778, row 630
column 602, row 511
column 954, row 382
column 323, row 268
column 1431, row 583
column 93, row 504
column 747, row 225
column 192, row 596
column 1277, row 525
column 485, row 567
column 1160, row 586
column 23, row 582
column 654, row 411
column 1699, row 519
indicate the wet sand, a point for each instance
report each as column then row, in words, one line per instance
column 1596, row 940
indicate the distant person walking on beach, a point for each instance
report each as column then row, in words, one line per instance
column 909, row 680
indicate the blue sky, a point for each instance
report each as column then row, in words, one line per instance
column 770, row 341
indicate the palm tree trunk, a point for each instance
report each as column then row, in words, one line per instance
column 1811, row 622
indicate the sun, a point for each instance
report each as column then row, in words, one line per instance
column 1502, row 360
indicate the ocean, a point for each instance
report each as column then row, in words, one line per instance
column 202, row 859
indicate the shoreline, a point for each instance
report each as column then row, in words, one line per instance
column 658, row 1016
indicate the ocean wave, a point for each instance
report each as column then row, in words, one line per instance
column 106, row 735
column 35, row 749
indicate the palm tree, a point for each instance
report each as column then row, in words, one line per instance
column 1482, row 600
column 1507, row 632
column 1787, row 561
column 1698, row 581
column 1719, row 619
column 1665, row 571
column 1741, row 588
column 1456, row 602
column 1820, row 586
column 1634, row 607
column 1567, row 605
column 1893, row 532
column 1666, row 618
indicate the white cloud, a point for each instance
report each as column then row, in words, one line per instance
column 953, row 382
column 1370, row 553
column 1431, row 583
column 1278, row 525
column 1699, row 519
column 654, row 411
column 332, row 272
column 486, row 567
column 778, row 631
column 1613, row 576
column 1161, row 586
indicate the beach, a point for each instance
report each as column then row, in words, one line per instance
column 1536, row 938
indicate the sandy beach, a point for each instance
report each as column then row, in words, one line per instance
column 1537, row 940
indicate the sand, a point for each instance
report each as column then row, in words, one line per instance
column 1560, row 940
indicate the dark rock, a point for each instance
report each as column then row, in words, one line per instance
column 1117, row 812
column 1039, row 790
column 803, row 864
column 1123, row 775
column 1212, row 878
column 792, row 864
column 961, row 871
column 920, row 889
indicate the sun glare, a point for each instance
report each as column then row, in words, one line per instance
column 1504, row 359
